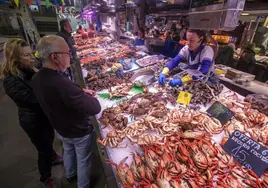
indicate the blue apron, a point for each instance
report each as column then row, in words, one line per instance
column 139, row 42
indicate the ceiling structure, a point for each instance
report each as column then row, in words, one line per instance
column 166, row 7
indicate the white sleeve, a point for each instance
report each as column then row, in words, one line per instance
column 184, row 52
column 207, row 54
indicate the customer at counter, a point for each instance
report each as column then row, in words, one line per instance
column 226, row 55
column 247, row 59
column 17, row 71
column 196, row 53
column 67, row 106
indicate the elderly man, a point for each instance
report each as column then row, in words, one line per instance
column 67, row 106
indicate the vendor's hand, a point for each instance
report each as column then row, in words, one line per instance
column 175, row 82
column 162, row 79
column 90, row 92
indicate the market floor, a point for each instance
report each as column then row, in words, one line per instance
column 18, row 157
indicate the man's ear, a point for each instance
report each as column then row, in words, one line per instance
column 202, row 38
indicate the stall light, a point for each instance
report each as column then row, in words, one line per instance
column 244, row 14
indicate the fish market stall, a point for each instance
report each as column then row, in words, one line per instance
column 161, row 136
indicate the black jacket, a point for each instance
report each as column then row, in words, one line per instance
column 69, row 40
column 225, row 56
column 248, row 57
column 66, row 105
column 20, row 91
column 247, row 60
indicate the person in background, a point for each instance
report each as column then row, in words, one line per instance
column 17, row 72
column 183, row 32
column 247, row 58
column 66, row 33
column 78, row 25
column 226, row 55
column 67, row 106
column 264, row 45
column 80, row 30
column 196, row 54
column 174, row 35
column 140, row 39
column 140, row 42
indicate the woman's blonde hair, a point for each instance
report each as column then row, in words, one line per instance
column 12, row 49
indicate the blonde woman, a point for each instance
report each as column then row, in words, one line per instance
column 16, row 72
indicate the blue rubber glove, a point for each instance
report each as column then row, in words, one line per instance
column 175, row 82
column 162, row 79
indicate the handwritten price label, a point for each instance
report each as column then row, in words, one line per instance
column 220, row 112
column 184, row 97
column 247, row 152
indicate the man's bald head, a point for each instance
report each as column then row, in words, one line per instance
column 49, row 44
column 54, row 52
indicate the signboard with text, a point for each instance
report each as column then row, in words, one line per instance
column 247, row 152
column 220, row 112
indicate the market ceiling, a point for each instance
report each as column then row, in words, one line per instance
column 160, row 6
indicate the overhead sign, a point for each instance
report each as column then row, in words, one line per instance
column 220, row 112
column 215, row 14
column 65, row 10
column 247, row 152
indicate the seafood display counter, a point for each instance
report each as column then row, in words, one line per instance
column 154, row 142
column 147, row 138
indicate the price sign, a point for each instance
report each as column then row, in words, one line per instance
column 184, row 97
column 220, row 112
column 247, row 152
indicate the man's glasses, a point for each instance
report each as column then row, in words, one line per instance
column 69, row 53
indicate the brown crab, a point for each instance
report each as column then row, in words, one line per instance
column 113, row 138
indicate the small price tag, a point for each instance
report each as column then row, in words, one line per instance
column 184, row 97
column 247, row 152
column 220, row 112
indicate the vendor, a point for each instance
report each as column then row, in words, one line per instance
column 196, row 53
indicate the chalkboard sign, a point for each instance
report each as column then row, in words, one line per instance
column 247, row 152
column 220, row 112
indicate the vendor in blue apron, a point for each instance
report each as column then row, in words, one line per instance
column 196, row 53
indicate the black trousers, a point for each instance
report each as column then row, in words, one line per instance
column 42, row 137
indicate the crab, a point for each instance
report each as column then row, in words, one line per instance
column 124, row 173
column 199, row 158
column 120, row 91
column 234, row 125
column 113, row 138
column 182, row 117
column 148, row 139
column 134, row 130
column 137, row 167
column 151, row 159
column 164, row 180
column 209, row 124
